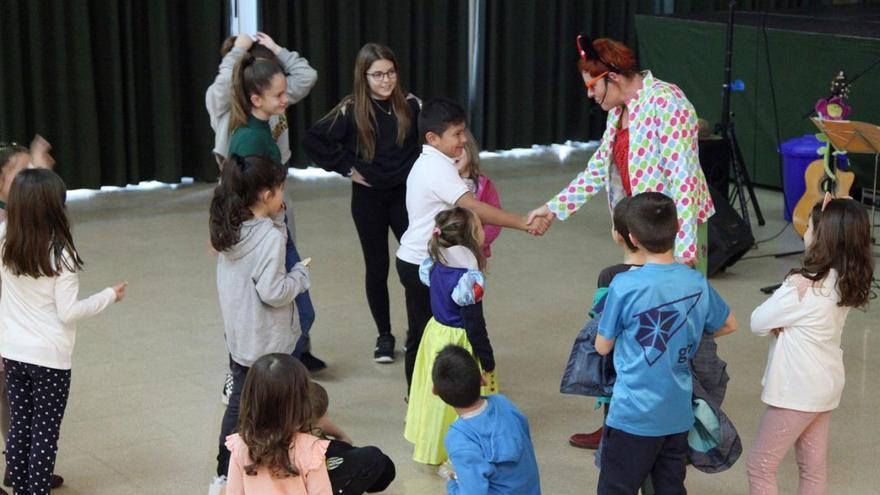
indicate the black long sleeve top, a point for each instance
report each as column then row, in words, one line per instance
column 332, row 145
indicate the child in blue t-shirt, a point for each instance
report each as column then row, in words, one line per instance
column 654, row 319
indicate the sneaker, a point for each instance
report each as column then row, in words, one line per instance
column 384, row 352
column 55, row 481
column 312, row 363
column 227, row 389
column 586, row 440
column 217, row 486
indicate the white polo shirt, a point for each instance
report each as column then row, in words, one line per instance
column 433, row 185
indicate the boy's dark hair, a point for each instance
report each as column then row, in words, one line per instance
column 653, row 221
column 456, row 377
column 320, row 400
column 620, row 218
column 438, row 114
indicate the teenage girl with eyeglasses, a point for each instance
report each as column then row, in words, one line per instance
column 371, row 136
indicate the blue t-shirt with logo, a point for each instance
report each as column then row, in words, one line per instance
column 657, row 314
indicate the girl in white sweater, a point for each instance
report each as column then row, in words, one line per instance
column 39, row 308
column 804, row 377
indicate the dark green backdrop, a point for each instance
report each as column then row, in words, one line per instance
column 116, row 86
column 691, row 54
column 429, row 39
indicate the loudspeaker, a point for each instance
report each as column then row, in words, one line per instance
column 729, row 235
column 715, row 162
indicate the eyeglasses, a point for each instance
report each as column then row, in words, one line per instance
column 379, row 75
column 588, row 52
column 592, row 82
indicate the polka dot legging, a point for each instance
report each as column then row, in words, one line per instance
column 37, row 398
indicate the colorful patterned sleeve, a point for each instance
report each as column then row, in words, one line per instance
column 584, row 186
column 675, row 135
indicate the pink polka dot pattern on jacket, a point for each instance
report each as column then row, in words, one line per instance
column 663, row 157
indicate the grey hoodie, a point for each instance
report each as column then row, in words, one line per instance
column 256, row 295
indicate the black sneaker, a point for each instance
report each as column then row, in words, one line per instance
column 384, row 352
column 311, row 362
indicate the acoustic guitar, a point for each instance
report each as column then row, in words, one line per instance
column 822, row 175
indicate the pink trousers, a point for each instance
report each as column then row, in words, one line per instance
column 779, row 430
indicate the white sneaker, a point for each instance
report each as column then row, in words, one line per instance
column 227, row 389
column 218, row 486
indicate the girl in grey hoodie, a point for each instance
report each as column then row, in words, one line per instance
column 256, row 292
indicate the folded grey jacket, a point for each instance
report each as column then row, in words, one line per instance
column 257, row 295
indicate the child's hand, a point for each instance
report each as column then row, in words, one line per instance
column 120, row 290
column 357, row 177
column 265, row 40
column 40, row 155
column 538, row 225
column 244, row 40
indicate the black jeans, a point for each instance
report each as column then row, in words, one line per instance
column 627, row 460
column 418, row 312
column 374, row 211
column 230, row 417
column 355, row 470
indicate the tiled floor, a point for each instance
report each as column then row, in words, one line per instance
column 145, row 411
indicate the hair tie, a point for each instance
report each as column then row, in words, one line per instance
column 241, row 162
column 436, row 231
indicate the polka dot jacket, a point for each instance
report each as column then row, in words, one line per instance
column 663, row 157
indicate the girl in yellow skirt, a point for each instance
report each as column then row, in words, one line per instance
column 454, row 277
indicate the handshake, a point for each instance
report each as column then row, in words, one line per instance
column 538, row 221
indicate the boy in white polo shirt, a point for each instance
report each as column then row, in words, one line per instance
column 434, row 185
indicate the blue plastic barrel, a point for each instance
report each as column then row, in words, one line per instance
column 797, row 154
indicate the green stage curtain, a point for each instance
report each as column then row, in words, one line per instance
column 116, row 86
column 802, row 66
column 429, row 39
column 532, row 91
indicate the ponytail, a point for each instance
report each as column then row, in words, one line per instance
column 242, row 180
column 455, row 227
column 251, row 76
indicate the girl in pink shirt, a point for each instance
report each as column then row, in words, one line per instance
column 273, row 453
column 468, row 165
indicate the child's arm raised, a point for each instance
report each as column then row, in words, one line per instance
column 218, row 97
column 301, row 77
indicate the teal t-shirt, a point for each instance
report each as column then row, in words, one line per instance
column 254, row 139
column 657, row 314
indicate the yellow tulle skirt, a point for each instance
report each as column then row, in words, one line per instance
column 427, row 417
